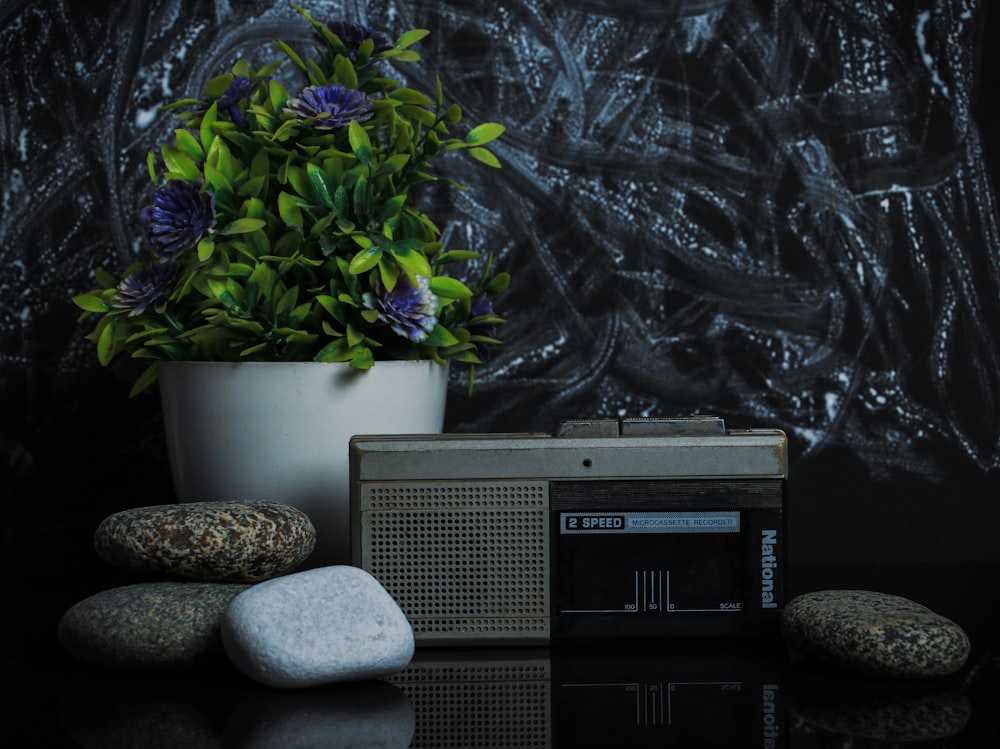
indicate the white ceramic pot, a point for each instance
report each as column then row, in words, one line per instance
column 281, row 430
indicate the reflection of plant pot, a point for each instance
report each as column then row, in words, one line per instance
column 280, row 431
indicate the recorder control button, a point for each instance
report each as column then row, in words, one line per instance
column 588, row 428
column 642, row 427
column 684, row 426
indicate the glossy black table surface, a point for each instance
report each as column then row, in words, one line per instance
column 751, row 693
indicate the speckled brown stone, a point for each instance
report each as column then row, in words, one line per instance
column 244, row 541
column 163, row 625
column 874, row 633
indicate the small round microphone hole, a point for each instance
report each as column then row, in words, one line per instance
column 587, row 463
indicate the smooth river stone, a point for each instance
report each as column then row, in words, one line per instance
column 874, row 633
column 320, row 626
column 149, row 625
column 244, row 541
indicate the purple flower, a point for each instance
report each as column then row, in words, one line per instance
column 179, row 216
column 144, row 287
column 410, row 312
column 353, row 35
column 336, row 105
column 239, row 89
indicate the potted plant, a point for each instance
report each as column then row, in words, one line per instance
column 285, row 227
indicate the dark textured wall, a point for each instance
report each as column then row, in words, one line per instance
column 779, row 212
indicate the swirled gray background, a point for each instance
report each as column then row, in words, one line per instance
column 779, row 212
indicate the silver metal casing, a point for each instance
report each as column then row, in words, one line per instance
column 459, row 528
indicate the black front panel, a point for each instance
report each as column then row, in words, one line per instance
column 666, row 559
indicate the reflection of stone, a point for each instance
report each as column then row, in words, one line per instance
column 874, row 633
column 369, row 714
column 324, row 625
column 158, row 625
column 877, row 709
column 152, row 713
column 238, row 542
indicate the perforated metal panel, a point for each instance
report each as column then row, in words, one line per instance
column 464, row 560
column 506, row 703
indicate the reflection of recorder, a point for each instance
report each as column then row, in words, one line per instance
column 639, row 528
column 681, row 695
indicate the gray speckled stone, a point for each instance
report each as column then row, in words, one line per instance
column 874, row 633
column 244, row 541
column 325, row 625
column 149, row 625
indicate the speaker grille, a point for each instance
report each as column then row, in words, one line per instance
column 481, row 704
column 462, row 559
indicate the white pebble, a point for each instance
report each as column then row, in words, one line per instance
column 320, row 626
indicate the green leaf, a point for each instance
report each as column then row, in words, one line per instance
column 249, row 351
column 91, row 303
column 180, row 164
column 412, row 262
column 260, row 167
column 321, row 226
column 143, row 381
column 365, row 260
column 106, row 342
column 254, row 187
column 301, row 181
column 289, row 210
column 105, row 279
column 338, row 350
column 440, row 337
column 189, row 145
column 254, row 208
column 360, row 142
column 287, row 302
column 354, row 337
column 205, row 249
column 484, row 133
column 421, row 115
column 344, row 73
column 243, row 226
column 332, row 306
column 318, row 180
column 392, row 165
column 217, row 180
column 450, row 288
column 278, row 95
column 362, row 200
column 411, row 96
column 205, row 129
column 388, row 273
column 218, row 85
column 342, row 203
column 362, row 358
column 498, row 283
column 390, row 208
column 292, row 56
column 455, row 256
column 411, row 37
column 485, row 156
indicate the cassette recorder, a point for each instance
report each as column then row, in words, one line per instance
column 633, row 529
